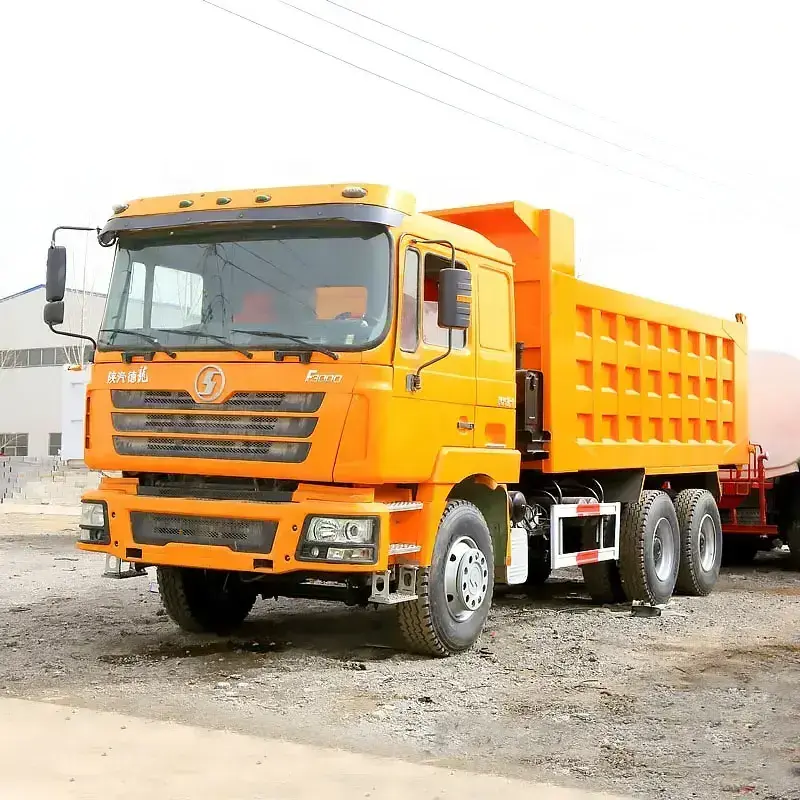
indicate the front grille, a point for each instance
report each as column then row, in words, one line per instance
column 298, row 427
column 298, row 402
column 228, row 449
column 240, row 535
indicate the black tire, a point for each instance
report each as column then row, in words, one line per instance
column 204, row 601
column 538, row 563
column 427, row 624
column 739, row 549
column 603, row 581
column 700, row 530
column 793, row 540
column 646, row 577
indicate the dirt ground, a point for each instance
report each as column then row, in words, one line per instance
column 703, row 702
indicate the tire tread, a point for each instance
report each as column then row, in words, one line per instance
column 686, row 504
column 197, row 615
column 632, row 567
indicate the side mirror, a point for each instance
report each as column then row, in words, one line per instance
column 455, row 298
column 56, row 285
column 54, row 312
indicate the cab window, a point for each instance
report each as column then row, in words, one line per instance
column 409, row 320
column 431, row 332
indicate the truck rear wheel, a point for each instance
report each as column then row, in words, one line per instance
column 454, row 594
column 739, row 549
column 793, row 540
column 204, row 600
column 701, row 542
column 538, row 563
column 649, row 548
column 603, row 582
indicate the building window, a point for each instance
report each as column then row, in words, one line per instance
column 43, row 357
column 14, row 444
column 54, row 446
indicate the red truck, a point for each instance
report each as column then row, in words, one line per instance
column 760, row 503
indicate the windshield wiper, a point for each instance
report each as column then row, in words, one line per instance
column 302, row 340
column 220, row 339
column 152, row 340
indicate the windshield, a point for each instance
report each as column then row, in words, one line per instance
column 289, row 288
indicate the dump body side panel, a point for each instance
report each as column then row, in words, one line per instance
column 629, row 382
column 637, row 383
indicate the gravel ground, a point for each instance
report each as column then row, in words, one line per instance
column 703, row 702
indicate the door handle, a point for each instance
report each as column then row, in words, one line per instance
column 466, row 425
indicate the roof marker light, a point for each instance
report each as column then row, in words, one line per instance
column 119, row 208
column 223, row 201
column 185, row 203
column 263, row 198
column 354, row 192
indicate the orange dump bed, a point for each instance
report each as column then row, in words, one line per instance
column 629, row 382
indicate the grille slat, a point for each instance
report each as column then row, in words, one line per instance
column 240, row 535
column 229, row 449
column 145, row 399
column 210, row 424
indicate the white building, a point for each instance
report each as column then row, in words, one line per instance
column 32, row 365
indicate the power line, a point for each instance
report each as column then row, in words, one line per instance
column 446, row 103
column 510, row 101
column 504, row 75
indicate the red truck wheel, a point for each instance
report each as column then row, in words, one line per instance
column 793, row 540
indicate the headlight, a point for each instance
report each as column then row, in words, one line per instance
column 331, row 529
column 93, row 515
column 339, row 539
column 94, row 523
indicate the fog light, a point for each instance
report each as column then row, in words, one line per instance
column 354, row 554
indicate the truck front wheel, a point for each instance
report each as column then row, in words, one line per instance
column 204, row 600
column 649, row 548
column 454, row 594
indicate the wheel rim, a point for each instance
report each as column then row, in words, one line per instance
column 466, row 578
column 663, row 549
column 707, row 543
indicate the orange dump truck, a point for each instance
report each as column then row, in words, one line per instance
column 319, row 392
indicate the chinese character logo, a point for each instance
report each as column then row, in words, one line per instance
column 131, row 376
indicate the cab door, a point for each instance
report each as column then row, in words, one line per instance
column 441, row 413
column 495, row 418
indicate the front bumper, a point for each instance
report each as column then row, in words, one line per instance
column 272, row 549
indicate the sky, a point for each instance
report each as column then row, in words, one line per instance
column 105, row 102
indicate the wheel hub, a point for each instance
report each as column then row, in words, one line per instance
column 664, row 554
column 707, row 543
column 466, row 578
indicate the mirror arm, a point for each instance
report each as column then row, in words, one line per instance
column 414, row 381
column 73, row 335
column 69, row 228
